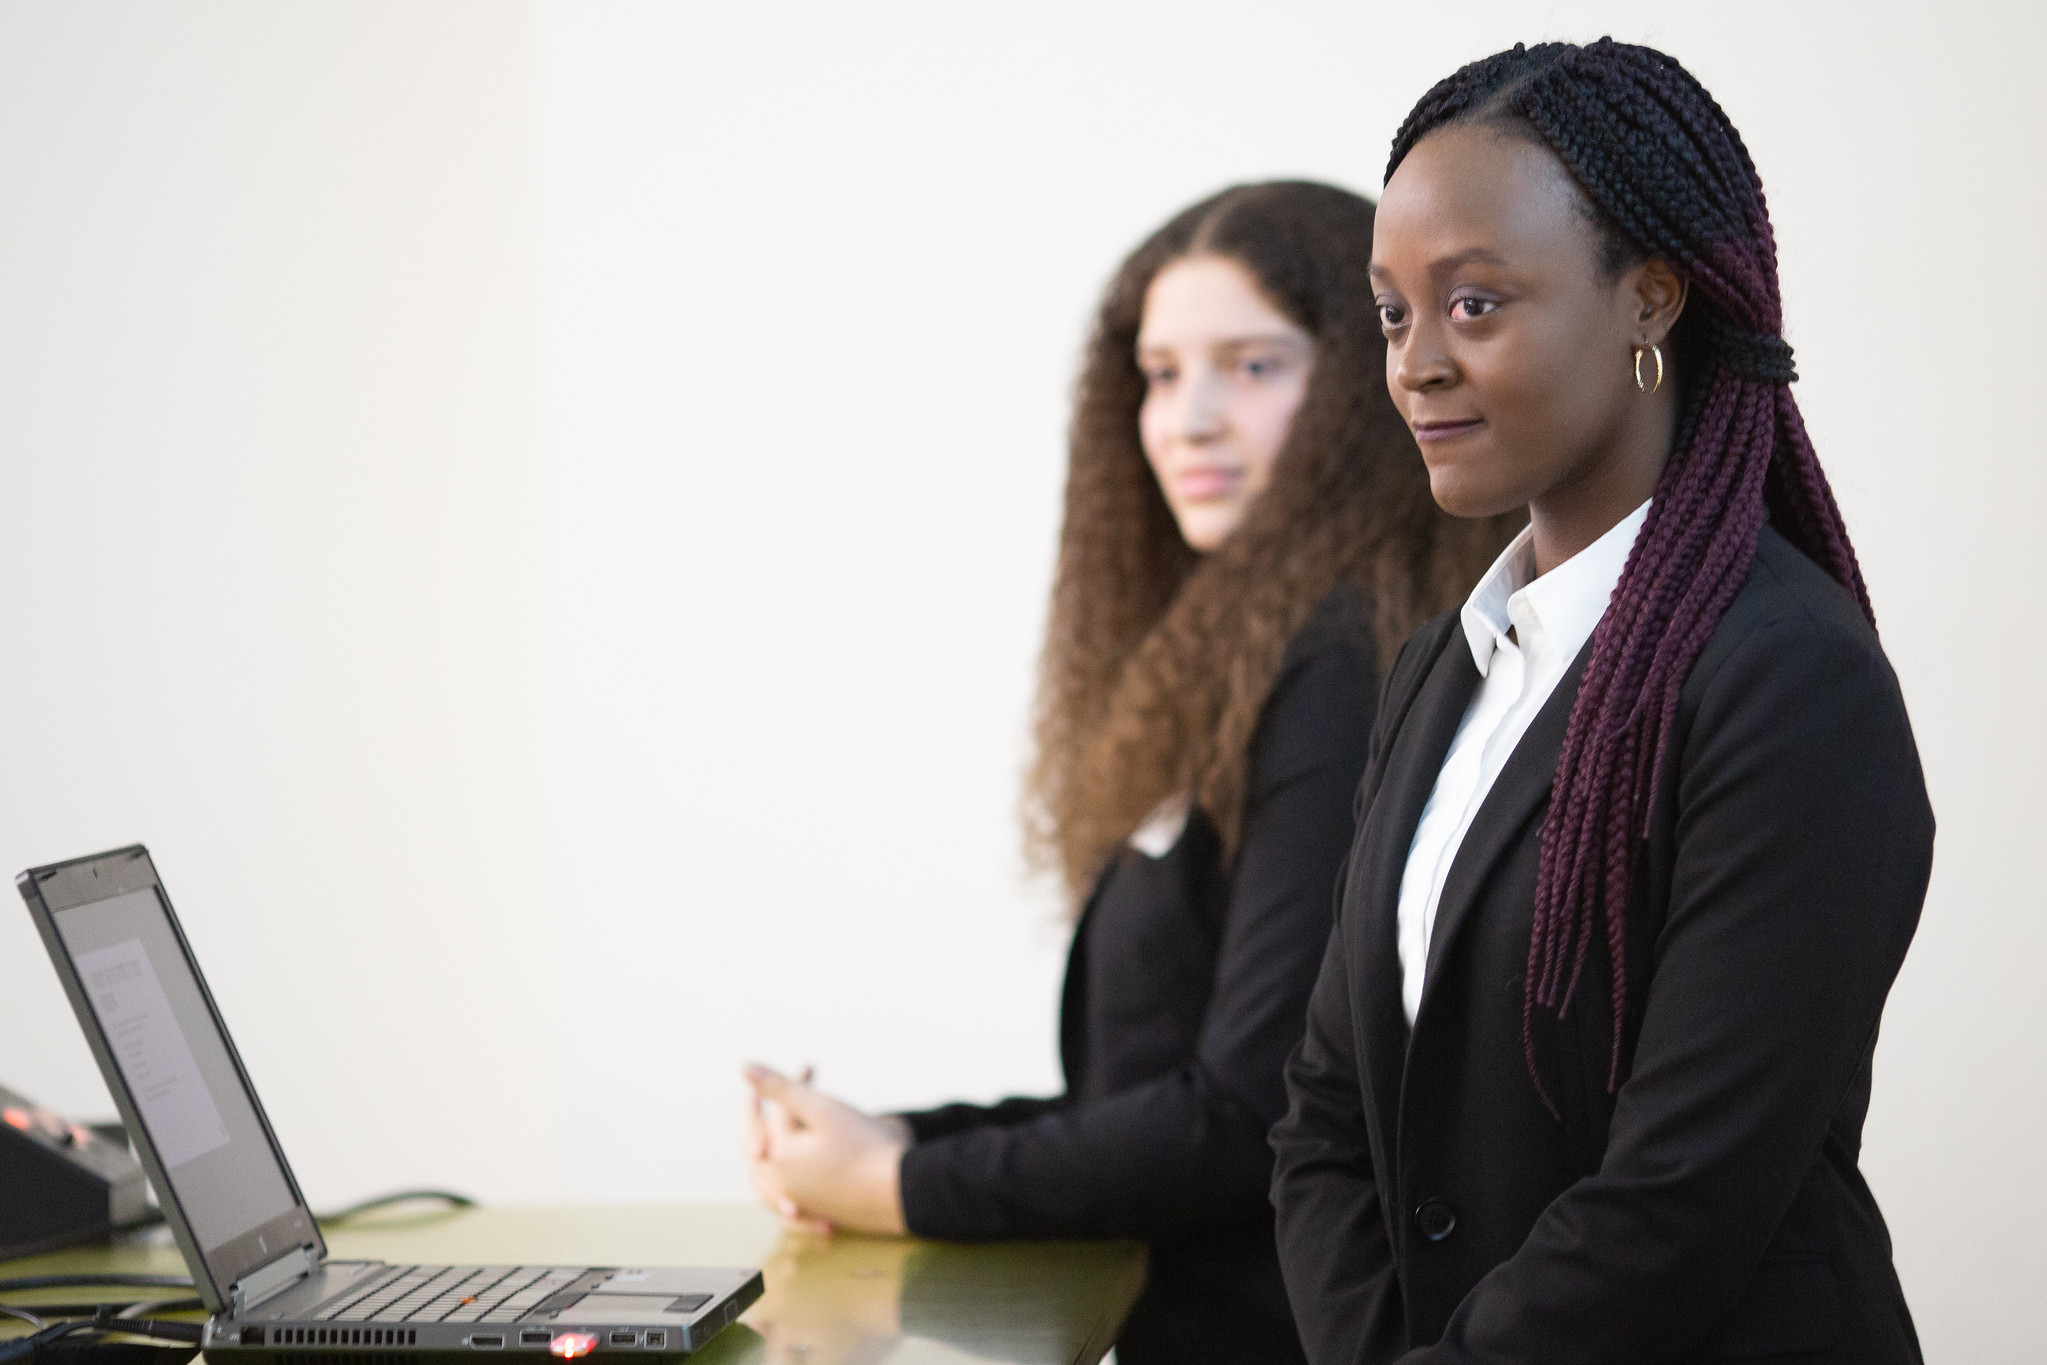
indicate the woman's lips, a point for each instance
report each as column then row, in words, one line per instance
column 1197, row 485
column 1446, row 431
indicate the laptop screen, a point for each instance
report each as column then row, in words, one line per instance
column 195, row 1120
column 176, row 1066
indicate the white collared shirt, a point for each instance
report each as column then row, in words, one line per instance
column 1551, row 618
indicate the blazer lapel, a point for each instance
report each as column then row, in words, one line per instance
column 1519, row 791
column 1409, row 775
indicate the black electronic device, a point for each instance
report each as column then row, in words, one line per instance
column 61, row 1182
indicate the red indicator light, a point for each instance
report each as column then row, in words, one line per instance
column 15, row 1119
column 569, row 1345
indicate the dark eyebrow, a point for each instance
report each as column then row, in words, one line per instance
column 1471, row 255
column 1237, row 343
column 1259, row 339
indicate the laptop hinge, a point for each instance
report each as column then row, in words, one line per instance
column 268, row 1281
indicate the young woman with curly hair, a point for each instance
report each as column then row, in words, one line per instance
column 1248, row 532
column 1644, row 836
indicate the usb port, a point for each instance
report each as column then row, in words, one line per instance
column 486, row 1341
column 625, row 1338
column 535, row 1338
column 657, row 1339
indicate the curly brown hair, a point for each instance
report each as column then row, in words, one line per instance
column 1158, row 660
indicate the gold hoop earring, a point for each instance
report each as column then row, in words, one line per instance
column 1656, row 351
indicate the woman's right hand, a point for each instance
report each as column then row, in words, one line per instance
column 767, row 1181
column 818, row 1162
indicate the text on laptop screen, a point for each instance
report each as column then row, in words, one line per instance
column 175, row 1065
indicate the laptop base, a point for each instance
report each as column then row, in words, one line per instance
column 371, row 1313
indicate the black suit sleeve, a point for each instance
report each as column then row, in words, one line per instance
column 1331, row 1226
column 1187, row 1151
column 1804, row 843
column 927, row 1125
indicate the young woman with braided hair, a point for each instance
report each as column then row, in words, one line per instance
column 1248, row 535
column 1643, row 837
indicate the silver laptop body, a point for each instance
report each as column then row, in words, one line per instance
column 257, row 1258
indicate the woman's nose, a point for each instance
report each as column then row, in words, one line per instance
column 1422, row 364
column 1202, row 414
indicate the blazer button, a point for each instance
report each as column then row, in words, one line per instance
column 1435, row 1219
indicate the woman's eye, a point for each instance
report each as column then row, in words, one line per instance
column 1469, row 307
column 1391, row 316
column 1261, row 368
column 1158, row 376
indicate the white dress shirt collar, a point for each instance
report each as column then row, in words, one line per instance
column 1551, row 618
column 1561, row 608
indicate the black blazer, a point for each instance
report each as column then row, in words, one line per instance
column 1430, row 1209
column 1185, row 992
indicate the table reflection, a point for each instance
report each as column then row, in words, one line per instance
column 865, row 1300
column 832, row 1300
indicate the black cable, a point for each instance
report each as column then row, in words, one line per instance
column 448, row 1197
column 107, row 1318
column 101, row 1324
column 31, row 1345
column 75, row 1308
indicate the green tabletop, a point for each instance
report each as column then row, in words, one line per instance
column 829, row 1299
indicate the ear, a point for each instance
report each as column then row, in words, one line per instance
column 1658, row 294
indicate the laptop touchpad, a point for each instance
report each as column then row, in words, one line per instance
column 625, row 1308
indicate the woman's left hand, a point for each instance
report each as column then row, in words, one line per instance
column 831, row 1162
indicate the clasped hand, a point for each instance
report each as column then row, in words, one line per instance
column 818, row 1162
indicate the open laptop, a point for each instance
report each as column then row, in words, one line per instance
column 228, row 1194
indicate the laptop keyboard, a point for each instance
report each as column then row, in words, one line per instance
column 451, row 1293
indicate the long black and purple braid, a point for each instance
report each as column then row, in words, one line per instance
column 1667, row 177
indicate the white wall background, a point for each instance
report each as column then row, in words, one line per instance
column 273, row 569
column 540, row 515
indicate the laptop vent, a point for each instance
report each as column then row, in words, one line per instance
column 340, row 1358
column 346, row 1336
